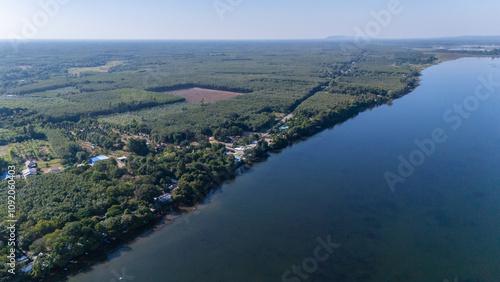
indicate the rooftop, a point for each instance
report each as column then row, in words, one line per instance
column 98, row 158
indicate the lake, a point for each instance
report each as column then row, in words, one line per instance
column 324, row 210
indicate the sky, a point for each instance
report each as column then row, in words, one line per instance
column 245, row 19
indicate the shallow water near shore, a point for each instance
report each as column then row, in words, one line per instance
column 442, row 223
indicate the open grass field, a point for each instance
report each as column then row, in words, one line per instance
column 200, row 95
column 46, row 165
column 105, row 68
column 4, row 150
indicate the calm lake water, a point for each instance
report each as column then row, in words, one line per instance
column 442, row 223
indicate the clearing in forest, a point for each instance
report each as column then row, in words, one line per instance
column 201, row 95
column 104, row 68
column 4, row 150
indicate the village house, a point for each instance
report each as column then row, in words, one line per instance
column 28, row 172
column 164, row 198
column 30, row 164
column 97, row 159
column 54, row 170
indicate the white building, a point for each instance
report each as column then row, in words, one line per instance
column 29, row 171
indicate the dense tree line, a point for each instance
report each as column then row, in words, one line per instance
column 65, row 147
column 63, row 216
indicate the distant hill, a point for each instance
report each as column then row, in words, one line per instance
column 339, row 38
column 458, row 40
column 468, row 37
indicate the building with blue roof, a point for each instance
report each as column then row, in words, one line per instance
column 5, row 175
column 97, row 159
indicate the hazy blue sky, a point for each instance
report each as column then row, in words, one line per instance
column 243, row 19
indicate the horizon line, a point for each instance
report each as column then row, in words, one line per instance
column 340, row 37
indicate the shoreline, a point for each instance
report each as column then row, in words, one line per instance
column 163, row 220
